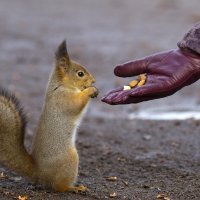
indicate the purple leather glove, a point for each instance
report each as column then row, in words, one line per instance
column 167, row 72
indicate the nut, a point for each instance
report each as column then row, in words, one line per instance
column 127, row 87
column 142, row 82
column 133, row 83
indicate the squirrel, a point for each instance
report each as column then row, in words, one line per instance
column 53, row 160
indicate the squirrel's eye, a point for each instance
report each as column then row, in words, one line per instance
column 80, row 74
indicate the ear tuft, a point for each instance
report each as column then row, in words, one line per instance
column 61, row 52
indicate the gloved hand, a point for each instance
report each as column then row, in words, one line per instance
column 166, row 72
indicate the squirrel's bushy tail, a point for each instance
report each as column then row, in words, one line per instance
column 12, row 128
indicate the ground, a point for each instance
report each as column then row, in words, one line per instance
column 148, row 157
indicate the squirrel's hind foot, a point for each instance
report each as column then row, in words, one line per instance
column 78, row 189
column 75, row 189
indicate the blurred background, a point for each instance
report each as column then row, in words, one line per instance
column 100, row 35
column 150, row 156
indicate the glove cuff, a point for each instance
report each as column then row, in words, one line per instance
column 191, row 39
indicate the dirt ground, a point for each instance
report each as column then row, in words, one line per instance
column 148, row 157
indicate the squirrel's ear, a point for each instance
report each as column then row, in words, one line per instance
column 62, row 56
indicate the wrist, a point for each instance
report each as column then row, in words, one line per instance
column 191, row 39
column 190, row 52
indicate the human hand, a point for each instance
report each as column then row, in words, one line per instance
column 167, row 72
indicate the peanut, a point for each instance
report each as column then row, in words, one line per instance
column 142, row 82
column 133, row 83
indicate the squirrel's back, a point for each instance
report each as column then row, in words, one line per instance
column 12, row 128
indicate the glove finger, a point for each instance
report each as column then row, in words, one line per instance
column 121, row 96
column 125, row 98
column 115, row 95
column 131, row 68
column 112, row 91
column 130, row 100
column 136, row 67
column 108, row 98
column 154, row 89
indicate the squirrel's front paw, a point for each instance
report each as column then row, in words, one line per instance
column 92, row 92
column 95, row 93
